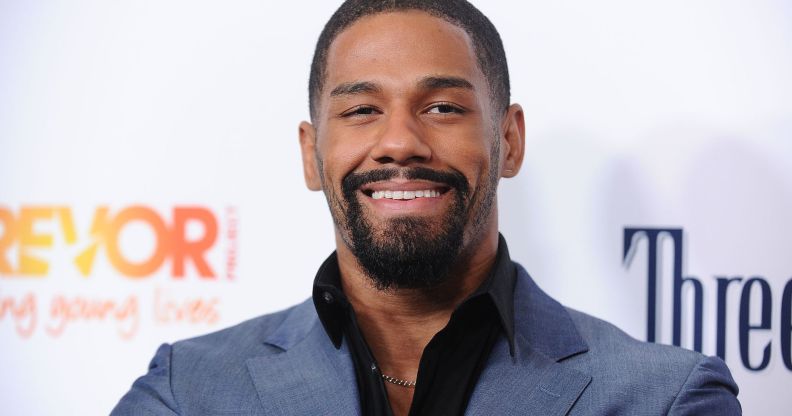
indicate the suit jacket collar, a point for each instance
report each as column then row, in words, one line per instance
column 305, row 374
column 544, row 324
column 535, row 381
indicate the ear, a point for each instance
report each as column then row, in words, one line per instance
column 513, row 141
column 308, row 149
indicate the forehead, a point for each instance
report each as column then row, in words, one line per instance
column 395, row 49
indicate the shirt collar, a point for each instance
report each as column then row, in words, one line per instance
column 333, row 307
column 328, row 297
column 500, row 288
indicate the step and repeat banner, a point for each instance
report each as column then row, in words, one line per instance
column 151, row 186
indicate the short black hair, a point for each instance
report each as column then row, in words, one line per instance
column 487, row 43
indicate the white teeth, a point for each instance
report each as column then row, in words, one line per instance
column 428, row 193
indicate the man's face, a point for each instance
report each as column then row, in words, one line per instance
column 405, row 146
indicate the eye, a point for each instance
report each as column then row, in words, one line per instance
column 445, row 108
column 361, row 110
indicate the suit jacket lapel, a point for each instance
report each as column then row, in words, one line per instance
column 304, row 374
column 534, row 380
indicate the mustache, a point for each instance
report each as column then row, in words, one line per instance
column 453, row 179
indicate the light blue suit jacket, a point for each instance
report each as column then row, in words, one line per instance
column 564, row 363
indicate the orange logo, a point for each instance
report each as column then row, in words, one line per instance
column 170, row 236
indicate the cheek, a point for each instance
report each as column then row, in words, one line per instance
column 339, row 157
column 472, row 156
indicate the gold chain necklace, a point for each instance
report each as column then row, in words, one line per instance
column 398, row 381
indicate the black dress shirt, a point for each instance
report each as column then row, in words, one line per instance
column 452, row 361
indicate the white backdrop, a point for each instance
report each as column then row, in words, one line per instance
column 121, row 120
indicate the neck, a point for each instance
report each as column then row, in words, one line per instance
column 398, row 323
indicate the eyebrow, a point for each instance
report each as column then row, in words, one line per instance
column 443, row 82
column 426, row 83
column 355, row 87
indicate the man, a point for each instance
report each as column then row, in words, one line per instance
column 420, row 310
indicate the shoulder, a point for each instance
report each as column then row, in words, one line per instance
column 599, row 347
column 208, row 374
column 249, row 337
column 674, row 379
column 606, row 341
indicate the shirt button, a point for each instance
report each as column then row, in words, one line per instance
column 373, row 367
column 328, row 297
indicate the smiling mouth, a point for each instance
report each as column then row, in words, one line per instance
column 405, row 195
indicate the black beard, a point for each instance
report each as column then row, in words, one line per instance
column 409, row 253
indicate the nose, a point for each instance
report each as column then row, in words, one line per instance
column 401, row 141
